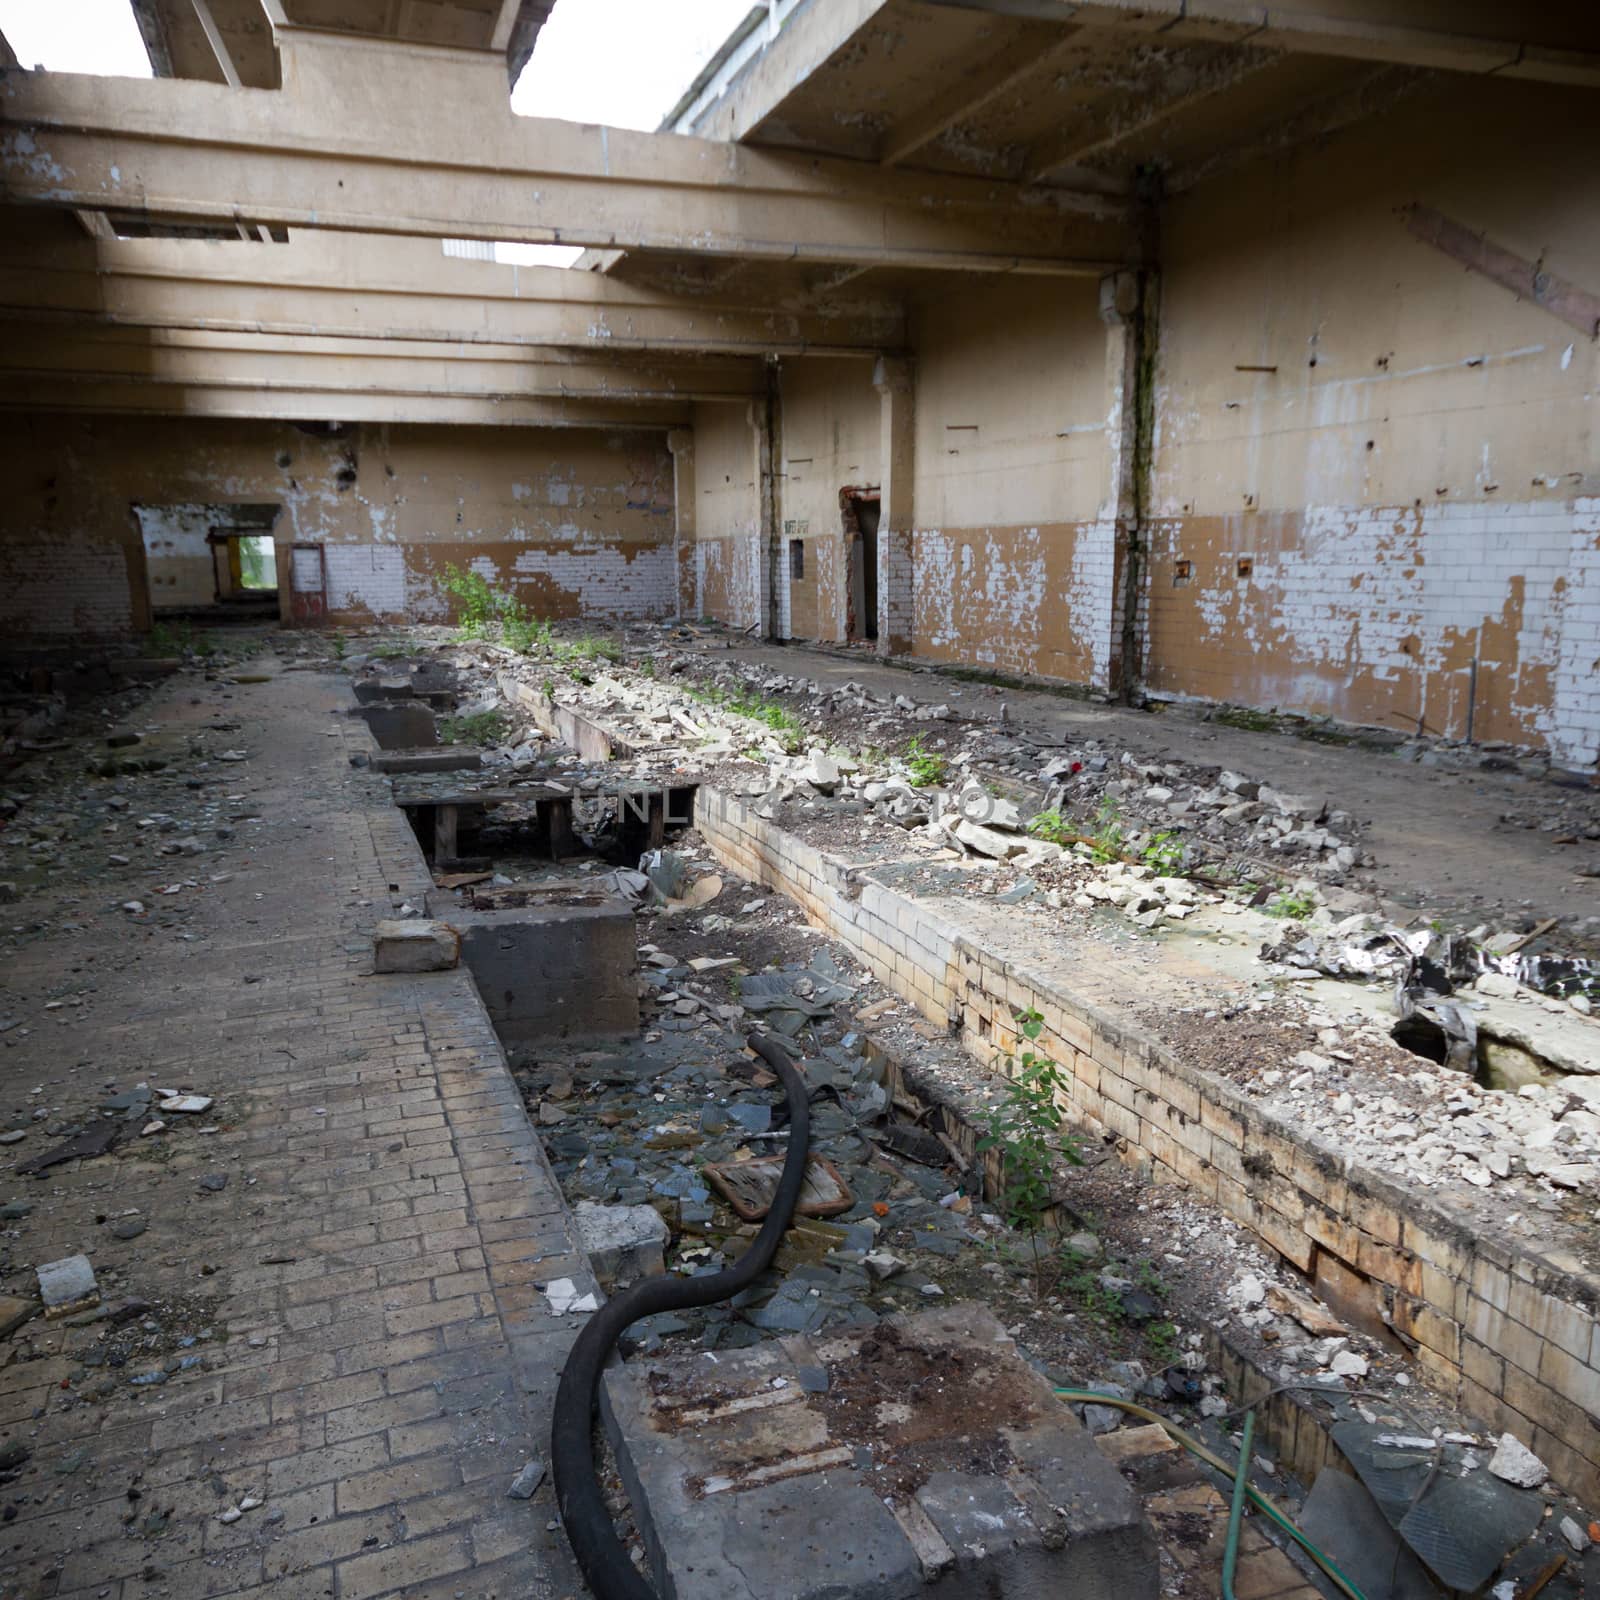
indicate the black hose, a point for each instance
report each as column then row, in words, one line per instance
column 601, row 1556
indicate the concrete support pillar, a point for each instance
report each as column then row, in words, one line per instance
column 680, row 441
column 764, row 556
column 893, row 378
column 1127, row 301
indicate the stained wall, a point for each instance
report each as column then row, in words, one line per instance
column 1373, row 468
column 829, row 442
column 727, row 553
column 1013, row 558
column 574, row 522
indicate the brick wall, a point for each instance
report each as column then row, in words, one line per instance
column 1508, row 1332
column 58, row 587
column 1377, row 614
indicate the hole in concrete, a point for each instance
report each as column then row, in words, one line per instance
column 1422, row 1038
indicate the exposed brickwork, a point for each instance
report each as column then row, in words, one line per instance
column 1511, row 1332
column 375, row 1260
column 61, row 586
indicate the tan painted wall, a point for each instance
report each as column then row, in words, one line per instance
column 575, row 522
column 1415, row 485
column 1013, row 563
column 727, row 516
column 830, row 441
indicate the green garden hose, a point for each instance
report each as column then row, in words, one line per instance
column 1217, row 1464
column 1241, row 1482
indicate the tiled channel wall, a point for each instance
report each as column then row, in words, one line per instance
column 1510, row 1333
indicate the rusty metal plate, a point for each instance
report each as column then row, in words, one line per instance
column 749, row 1187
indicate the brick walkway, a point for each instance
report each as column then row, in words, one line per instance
column 381, row 1359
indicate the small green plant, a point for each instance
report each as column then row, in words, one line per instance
column 1164, row 853
column 927, row 766
column 1052, row 827
column 390, row 652
column 473, row 727
column 1161, row 1345
column 172, row 638
column 769, row 713
column 477, row 604
column 340, row 646
column 1294, row 907
column 528, row 636
column 1025, row 1130
column 589, row 648
column 1109, row 841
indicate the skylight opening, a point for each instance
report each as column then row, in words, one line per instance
column 93, row 36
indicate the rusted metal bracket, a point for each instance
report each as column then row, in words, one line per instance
column 1526, row 279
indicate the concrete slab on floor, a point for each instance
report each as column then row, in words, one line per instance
column 869, row 1463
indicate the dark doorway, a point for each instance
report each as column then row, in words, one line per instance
column 860, row 508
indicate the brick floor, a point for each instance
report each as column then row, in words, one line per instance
column 382, row 1358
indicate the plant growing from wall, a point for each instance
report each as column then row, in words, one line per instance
column 927, row 767
column 1025, row 1130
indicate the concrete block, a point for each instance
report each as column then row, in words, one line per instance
column 67, row 1285
column 623, row 1243
column 400, row 724
column 418, row 946
column 554, row 972
column 842, row 1485
column 445, row 758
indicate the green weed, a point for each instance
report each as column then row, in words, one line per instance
column 1164, row 853
column 927, row 767
column 473, row 727
column 1109, row 841
column 1294, row 907
column 1025, row 1130
column 1052, row 827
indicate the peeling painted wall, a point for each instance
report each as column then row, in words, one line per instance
column 574, row 522
column 1013, row 555
column 831, row 442
column 727, row 551
column 1412, row 486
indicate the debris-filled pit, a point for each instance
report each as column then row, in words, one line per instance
column 1170, row 1295
column 957, row 825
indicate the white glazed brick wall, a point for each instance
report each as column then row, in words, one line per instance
column 366, row 577
column 1358, row 582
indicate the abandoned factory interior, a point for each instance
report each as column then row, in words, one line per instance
column 799, row 799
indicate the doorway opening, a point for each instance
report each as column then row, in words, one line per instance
column 210, row 562
column 859, row 509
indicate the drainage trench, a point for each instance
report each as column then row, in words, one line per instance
column 1406, row 1275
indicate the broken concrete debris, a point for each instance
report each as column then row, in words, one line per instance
column 623, row 1243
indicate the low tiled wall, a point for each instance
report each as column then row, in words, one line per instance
column 1510, row 1332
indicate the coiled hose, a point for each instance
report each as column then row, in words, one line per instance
column 600, row 1553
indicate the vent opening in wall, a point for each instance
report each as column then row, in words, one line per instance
column 797, row 558
column 1244, row 567
column 1182, row 571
